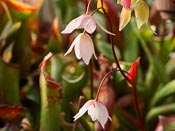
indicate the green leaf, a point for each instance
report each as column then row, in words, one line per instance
column 169, row 127
column 22, row 52
column 50, row 100
column 160, row 110
column 9, row 84
column 164, row 92
column 105, row 49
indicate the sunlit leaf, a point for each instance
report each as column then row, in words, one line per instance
column 99, row 5
column 164, row 92
column 160, row 110
column 141, row 14
column 20, row 6
column 125, row 17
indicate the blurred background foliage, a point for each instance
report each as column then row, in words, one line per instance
column 30, row 29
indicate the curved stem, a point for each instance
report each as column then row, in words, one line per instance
column 120, row 69
column 113, row 46
column 85, row 5
column 137, row 107
column 102, row 81
column 88, row 6
column 91, row 79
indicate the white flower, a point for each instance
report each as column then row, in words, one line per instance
column 83, row 47
column 86, row 22
column 96, row 110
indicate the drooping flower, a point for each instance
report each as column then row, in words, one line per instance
column 132, row 74
column 96, row 110
column 83, row 47
column 86, row 22
column 141, row 12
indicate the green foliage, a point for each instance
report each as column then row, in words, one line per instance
column 26, row 36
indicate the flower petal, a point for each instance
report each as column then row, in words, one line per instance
column 141, row 16
column 89, row 24
column 126, row 4
column 74, row 24
column 77, row 47
column 86, row 48
column 124, row 18
column 108, row 32
column 99, row 112
column 83, row 109
column 76, row 41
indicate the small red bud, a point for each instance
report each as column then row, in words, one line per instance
column 132, row 74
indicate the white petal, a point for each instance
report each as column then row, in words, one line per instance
column 99, row 112
column 108, row 32
column 74, row 24
column 90, row 24
column 92, row 112
column 76, row 40
column 86, row 48
column 83, row 109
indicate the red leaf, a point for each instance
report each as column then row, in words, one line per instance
column 9, row 112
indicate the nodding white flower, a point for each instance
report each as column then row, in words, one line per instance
column 86, row 22
column 83, row 47
column 96, row 110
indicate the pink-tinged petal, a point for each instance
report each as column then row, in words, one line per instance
column 101, row 109
column 126, row 4
column 77, row 46
column 83, row 109
column 125, row 17
column 89, row 24
column 108, row 32
column 76, row 40
column 74, row 24
column 98, row 112
column 141, row 16
column 86, row 48
column 92, row 112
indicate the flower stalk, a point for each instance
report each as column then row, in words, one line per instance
column 121, row 71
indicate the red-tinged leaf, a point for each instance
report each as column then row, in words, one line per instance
column 132, row 74
column 50, row 96
column 9, row 112
column 56, row 29
column 20, row 6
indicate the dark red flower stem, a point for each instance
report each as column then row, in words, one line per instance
column 85, row 5
column 137, row 107
column 91, row 79
column 112, row 44
column 121, row 71
column 102, row 81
